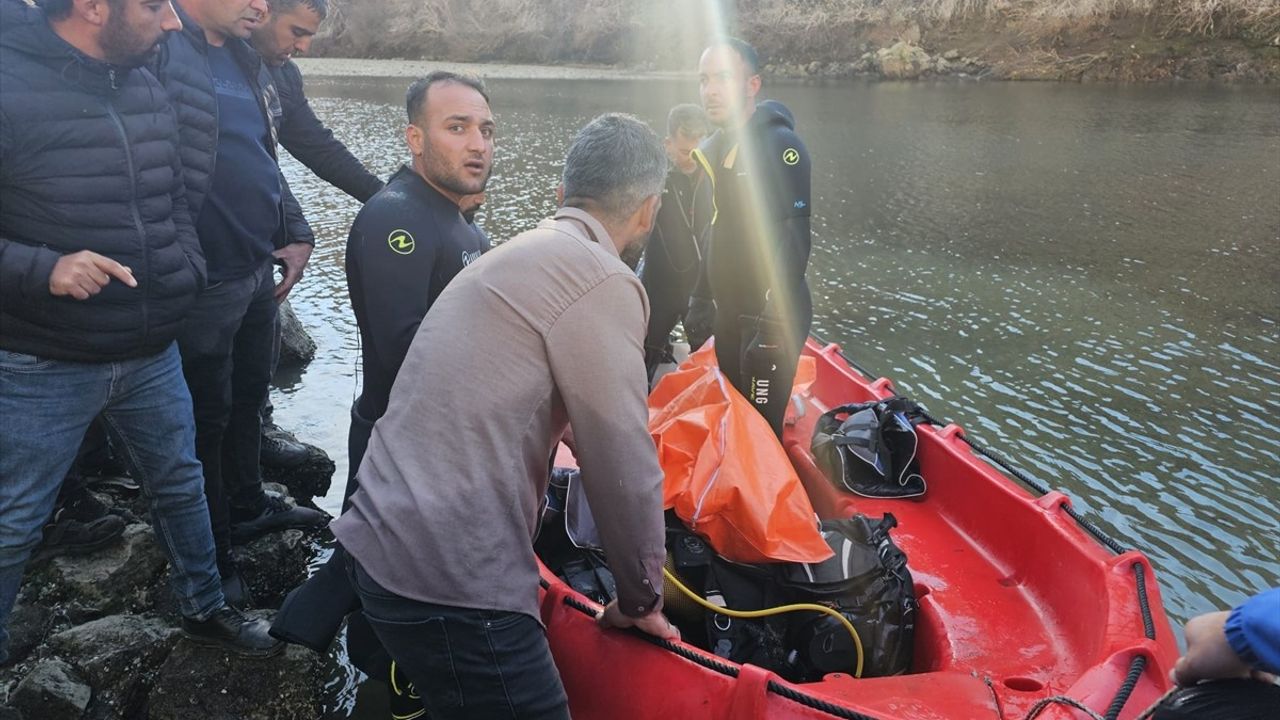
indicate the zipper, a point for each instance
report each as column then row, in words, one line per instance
column 133, row 208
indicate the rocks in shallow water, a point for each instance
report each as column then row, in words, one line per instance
column 51, row 690
column 207, row 683
column 903, row 61
column 309, row 479
column 119, row 656
column 296, row 346
column 951, row 55
column 114, row 579
column 273, row 565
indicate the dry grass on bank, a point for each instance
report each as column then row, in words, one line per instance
column 1258, row 18
column 665, row 33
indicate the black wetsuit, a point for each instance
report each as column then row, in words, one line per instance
column 758, row 255
column 673, row 258
column 405, row 246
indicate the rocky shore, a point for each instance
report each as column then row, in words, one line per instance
column 96, row 636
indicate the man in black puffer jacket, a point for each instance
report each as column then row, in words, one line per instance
column 245, row 217
column 98, row 266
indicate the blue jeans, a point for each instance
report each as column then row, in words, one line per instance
column 466, row 663
column 46, row 406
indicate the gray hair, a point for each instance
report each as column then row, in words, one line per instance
column 616, row 162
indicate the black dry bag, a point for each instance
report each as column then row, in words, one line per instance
column 870, row 448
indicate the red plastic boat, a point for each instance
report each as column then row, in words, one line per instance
column 1020, row 605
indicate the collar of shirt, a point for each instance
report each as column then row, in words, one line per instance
column 589, row 229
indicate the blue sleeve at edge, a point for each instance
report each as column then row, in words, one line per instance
column 1253, row 631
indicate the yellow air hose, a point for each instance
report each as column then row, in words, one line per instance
column 747, row 614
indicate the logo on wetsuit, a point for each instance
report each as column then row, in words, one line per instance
column 470, row 257
column 401, row 242
column 790, row 156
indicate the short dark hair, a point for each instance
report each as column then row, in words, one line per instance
column 55, row 9
column 321, row 7
column 744, row 50
column 59, row 9
column 687, row 118
column 416, row 97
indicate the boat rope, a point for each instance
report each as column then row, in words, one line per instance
column 726, row 669
column 766, row 612
column 1139, row 662
column 1061, row 700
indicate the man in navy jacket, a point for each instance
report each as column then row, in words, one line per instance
column 229, row 118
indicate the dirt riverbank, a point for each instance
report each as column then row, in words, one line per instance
column 1084, row 40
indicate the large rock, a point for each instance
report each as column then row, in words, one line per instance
column 211, row 684
column 274, row 564
column 309, row 479
column 112, row 580
column 119, row 656
column 28, row 624
column 51, row 691
column 902, row 61
column 296, row 346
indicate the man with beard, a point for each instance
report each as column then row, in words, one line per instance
column 246, row 219
column 759, row 248
column 440, row 532
column 99, row 265
column 411, row 238
column 407, row 243
column 287, row 31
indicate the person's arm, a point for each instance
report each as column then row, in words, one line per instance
column 184, row 224
column 314, row 145
column 789, row 173
column 596, row 353
column 1253, row 631
column 1241, row 643
column 24, row 269
column 394, row 260
column 298, row 242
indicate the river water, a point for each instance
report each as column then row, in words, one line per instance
column 1085, row 277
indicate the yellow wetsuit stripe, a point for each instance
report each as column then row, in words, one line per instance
column 706, row 166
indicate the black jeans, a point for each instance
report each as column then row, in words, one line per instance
column 226, row 359
column 465, row 663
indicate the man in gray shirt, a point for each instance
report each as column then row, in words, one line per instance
column 544, row 331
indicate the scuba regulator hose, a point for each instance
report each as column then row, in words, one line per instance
column 748, row 614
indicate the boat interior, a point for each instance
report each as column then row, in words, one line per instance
column 1017, row 602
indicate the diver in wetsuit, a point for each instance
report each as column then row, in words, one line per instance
column 673, row 259
column 413, row 236
column 407, row 243
column 759, row 248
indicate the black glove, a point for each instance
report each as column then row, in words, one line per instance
column 698, row 321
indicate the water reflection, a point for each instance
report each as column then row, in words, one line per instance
column 1087, row 278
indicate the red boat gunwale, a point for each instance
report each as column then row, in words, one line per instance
column 1018, row 603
